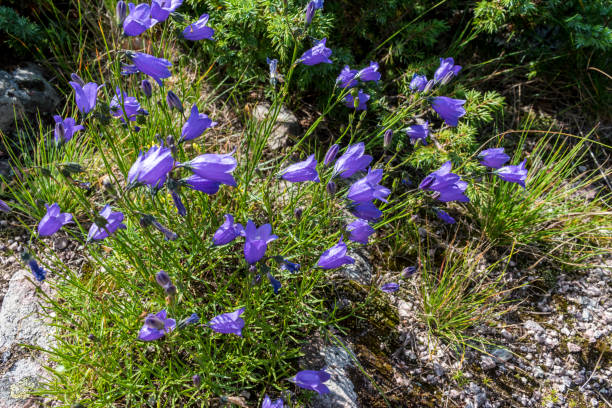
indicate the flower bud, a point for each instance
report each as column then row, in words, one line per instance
column 196, row 380
column 60, row 132
column 331, row 188
column 91, row 337
column 387, row 138
column 77, row 79
column 163, row 279
column 297, row 213
column 409, row 271
column 146, row 88
column 447, row 78
column 154, row 322
column 121, row 12
column 330, row 156
column 310, row 10
column 174, row 102
column 170, row 290
column 429, row 85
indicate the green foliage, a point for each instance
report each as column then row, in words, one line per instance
column 18, row 31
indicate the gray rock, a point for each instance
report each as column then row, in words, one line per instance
column 533, row 326
column 487, row 363
column 360, row 271
column 286, row 127
column 573, row 348
column 24, row 93
column 502, row 354
column 17, row 384
column 342, row 395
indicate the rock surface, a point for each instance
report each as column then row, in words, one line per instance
column 286, row 127
column 342, row 395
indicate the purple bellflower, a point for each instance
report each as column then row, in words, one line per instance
column 302, row 171
column 53, row 220
column 367, row 188
column 156, row 326
column 276, row 285
column 214, row 167
column 123, row 106
column 362, row 99
column 493, row 158
column 418, row 132
column 408, row 271
column 256, row 241
column 196, row 125
column 156, row 68
column 113, row 222
column 514, row 173
column 39, row 273
column 352, row 161
column 228, row 231
column 161, row 9
column 267, row 403
column 4, row 207
column 346, row 79
column 65, row 129
column 446, row 69
column 199, row 30
column 138, row 20
column 86, row 95
column 193, row 319
column 202, row 184
column 443, row 215
column 331, row 154
column 317, row 54
column 178, row 203
column 152, row 168
column 318, row 4
column 449, row 186
column 335, row 257
column 418, row 83
column 228, row 323
column 369, row 73
column 366, row 210
column 287, row 265
column 312, row 380
column 389, row 287
column 310, row 11
column 449, row 109
column 360, row 231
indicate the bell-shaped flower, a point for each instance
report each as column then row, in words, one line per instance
column 317, row 54
column 514, row 173
column 65, row 129
column 360, row 231
column 156, row 326
column 449, row 109
column 366, row 210
column 108, row 222
column 138, row 20
column 359, row 103
column 302, row 171
column 367, row 188
column 228, row 323
column 256, row 241
column 449, row 186
column 389, row 287
column 418, row 83
column 443, row 215
column 369, row 73
column 447, row 68
column 199, row 30
column 228, row 231
column 318, row 4
column 85, row 95
column 418, row 132
column 214, row 167
column 352, row 161
column 161, row 9
column 196, row 124
column 493, row 158
column 312, row 380
column 156, row 68
column 346, row 79
column 123, row 106
column 202, row 184
column 267, row 403
column 152, row 168
column 53, row 220
column 335, row 257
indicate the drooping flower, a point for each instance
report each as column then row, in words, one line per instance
column 302, row 171
column 449, row 109
column 202, row 184
column 228, row 231
column 196, row 124
column 317, row 54
column 331, row 154
column 335, row 257
column 123, row 106
column 267, row 403
column 389, row 287
column 362, row 99
column 514, row 173
column 352, row 161
column 156, row 68
column 4, row 207
column 366, row 210
column 346, row 79
column 65, row 129
column 494, row 157
column 85, row 96
column 152, row 168
column 360, row 231
column 312, row 380
column 39, row 273
column 310, row 11
column 369, row 73
column 161, row 9
column 276, row 285
column 228, row 323
column 443, row 215
column 156, row 326
column 214, row 167
column 53, row 220
column 287, row 265
column 199, row 30
column 256, row 241
column 449, row 186
column 138, row 20
column 418, row 83
column 367, row 188
column 108, row 222
column 418, row 132
column 447, row 69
